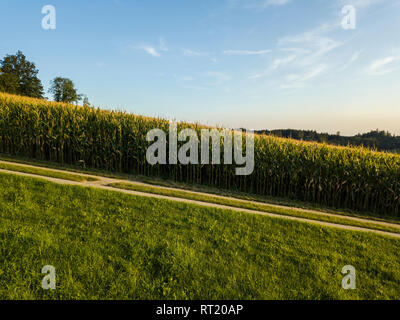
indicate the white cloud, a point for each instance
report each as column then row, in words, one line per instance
column 192, row 53
column 311, row 46
column 312, row 42
column 245, row 52
column 304, row 58
column 282, row 62
column 384, row 66
column 151, row 51
column 360, row 3
column 266, row 3
column 381, row 63
column 296, row 51
column 353, row 59
column 300, row 80
column 257, row 75
column 128, row 47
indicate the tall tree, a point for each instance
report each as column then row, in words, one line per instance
column 63, row 90
column 8, row 83
column 19, row 76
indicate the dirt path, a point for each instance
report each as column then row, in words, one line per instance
column 103, row 182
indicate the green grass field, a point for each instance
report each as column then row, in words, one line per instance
column 108, row 245
column 345, row 220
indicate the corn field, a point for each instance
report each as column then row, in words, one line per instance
column 340, row 177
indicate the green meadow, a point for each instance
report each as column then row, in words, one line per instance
column 109, row 245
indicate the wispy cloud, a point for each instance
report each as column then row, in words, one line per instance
column 296, row 51
column 310, row 46
column 360, row 3
column 245, row 52
column 300, row 80
column 353, row 59
column 193, row 53
column 266, row 3
column 384, row 66
column 282, row 62
column 303, row 58
column 279, row 62
column 150, row 50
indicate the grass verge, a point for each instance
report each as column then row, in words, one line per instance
column 108, row 245
column 156, row 181
column 255, row 206
column 45, row 172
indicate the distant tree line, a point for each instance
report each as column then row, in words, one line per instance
column 376, row 139
column 19, row 76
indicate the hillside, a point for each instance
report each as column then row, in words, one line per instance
column 338, row 177
column 108, row 245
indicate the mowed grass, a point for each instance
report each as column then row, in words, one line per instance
column 108, row 245
column 255, row 206
column 46, row 172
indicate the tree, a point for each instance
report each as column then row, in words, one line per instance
column 8, row 83
column 63, row 90
column 19, row 76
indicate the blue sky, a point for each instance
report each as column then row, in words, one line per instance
column 236, row 63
